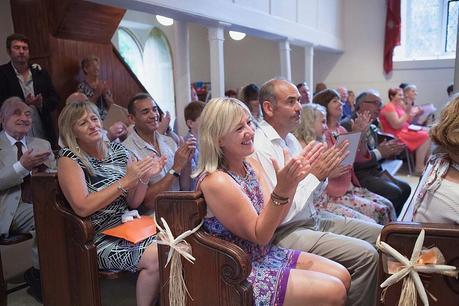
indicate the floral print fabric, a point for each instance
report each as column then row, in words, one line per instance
column 271, row 265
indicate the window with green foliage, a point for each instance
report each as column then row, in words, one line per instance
column 131, row 51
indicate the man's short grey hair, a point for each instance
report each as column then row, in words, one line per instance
column 7, row 103
column 409, row 86
column 363, row 95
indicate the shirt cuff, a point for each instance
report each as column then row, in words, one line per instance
column 19, row 169
column 302, row 206
column 377, row 154
column 313, row 180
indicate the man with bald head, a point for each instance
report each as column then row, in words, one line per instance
column 347, row 241
column 348, row 108
column 76, row 97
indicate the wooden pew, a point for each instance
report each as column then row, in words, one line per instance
column 402, row 236
column 68, row 262
column 218, row 276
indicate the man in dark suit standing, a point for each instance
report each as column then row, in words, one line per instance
column 31, row 83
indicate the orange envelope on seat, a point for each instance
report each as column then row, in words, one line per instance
column 134, row 231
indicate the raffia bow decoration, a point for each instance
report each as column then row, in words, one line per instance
column 425, row 261
column 178, row 246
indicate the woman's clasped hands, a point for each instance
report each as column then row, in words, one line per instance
column 142, row 170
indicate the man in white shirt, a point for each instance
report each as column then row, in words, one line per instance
column 347, row 241
column 144, row 140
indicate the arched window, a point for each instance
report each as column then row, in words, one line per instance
column 158, row 71
column 131, row 51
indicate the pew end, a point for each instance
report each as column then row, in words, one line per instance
column 68, row 258
column 402, row 237
column 218, row 276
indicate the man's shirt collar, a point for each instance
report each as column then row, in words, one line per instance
column 13, row 140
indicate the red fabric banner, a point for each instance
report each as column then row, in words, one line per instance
column 392, row 36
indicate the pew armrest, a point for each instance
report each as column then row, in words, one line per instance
column 221, row 265
column 68, row 257
column 402, row 237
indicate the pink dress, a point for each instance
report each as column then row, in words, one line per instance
column 412, row 139
column 345, row 197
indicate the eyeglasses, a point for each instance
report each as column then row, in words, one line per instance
column 378, row 102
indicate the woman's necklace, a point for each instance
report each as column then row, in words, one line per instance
column 244, row 177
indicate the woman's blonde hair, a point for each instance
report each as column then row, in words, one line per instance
column 445, row 132
column 309, row 113
column 219, row 117
column 70, row 114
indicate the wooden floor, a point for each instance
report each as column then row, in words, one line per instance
column 118, row 292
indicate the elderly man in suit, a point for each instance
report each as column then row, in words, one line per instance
column 32, row 84
column 368, row 170
column 20, row 155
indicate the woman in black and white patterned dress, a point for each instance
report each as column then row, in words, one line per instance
column 99, row 182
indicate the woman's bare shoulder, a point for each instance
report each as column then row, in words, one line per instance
column 214, row 181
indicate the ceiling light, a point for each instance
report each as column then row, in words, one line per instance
column 165, row 21
column 236, row 35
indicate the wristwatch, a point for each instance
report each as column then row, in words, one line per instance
column 173, row 172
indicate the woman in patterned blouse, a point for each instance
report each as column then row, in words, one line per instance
column 101, row 183
column 97, row 90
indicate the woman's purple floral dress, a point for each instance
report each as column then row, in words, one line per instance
column 271, row 265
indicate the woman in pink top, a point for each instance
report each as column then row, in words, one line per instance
column 343, row 186
column 395, row 118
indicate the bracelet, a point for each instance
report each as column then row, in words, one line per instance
column 278, row 197
column 278, row 200
column 142, row 182
column 121, row 188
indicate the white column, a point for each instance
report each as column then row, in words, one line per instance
column 181, row 72
column 217, row 65
column 309, row 66
column 284, row 53
column 456, row 63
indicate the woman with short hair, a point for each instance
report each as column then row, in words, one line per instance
column 97, row 90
